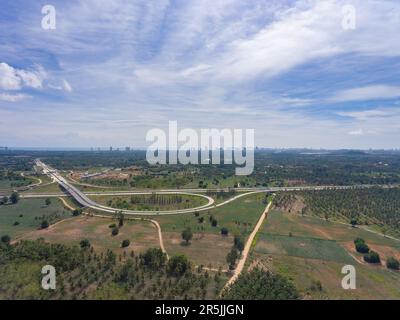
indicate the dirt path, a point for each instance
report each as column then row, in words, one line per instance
column 66, row 204
column 156, row 224
column 239, row 268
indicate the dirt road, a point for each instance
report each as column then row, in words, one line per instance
column 246, row 250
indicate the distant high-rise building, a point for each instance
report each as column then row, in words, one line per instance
column 128, row 149
column 111, row 148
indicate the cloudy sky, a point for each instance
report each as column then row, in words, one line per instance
column 295, row 71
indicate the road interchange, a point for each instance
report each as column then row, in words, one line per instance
column 83, row 199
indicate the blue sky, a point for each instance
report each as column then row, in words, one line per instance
column 112, row 70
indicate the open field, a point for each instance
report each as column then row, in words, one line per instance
column 304, row 247
column 45, row 188
column 312, row 252
column 11, row 184
column 205, row 249
column 28, row 212
column 142, row 234
column 238, row 216
column 306, row 226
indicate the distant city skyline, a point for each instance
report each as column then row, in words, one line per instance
column 112, row 70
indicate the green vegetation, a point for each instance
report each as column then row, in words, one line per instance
column 231, row 258
column 84, row 273
column 178, row 265
column 239, row 217
column 187, row 235
column 305, row 247
column 393, row 263
column 224, row 231
column 153, row 202
column 5, row 239
column 85, row 243
column 153, row 258
column 29, row 213
column 114, row 231
column 361, row 246
column 313, row 260
column 125, row 243
column 376, row 206
column 14, row 198
column 261, row 285
column 372, row 257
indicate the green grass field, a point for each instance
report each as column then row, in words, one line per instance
column 239, row 216
column 312, row 251
column 6, row 184
column 142, row 234
column 27, row 212
column 311, row 248
column 308, row 226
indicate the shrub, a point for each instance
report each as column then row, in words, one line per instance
column 48, row 202
column 178, row 265
column 153, row 258
column 4, row 200
column 85, row 243
column 214, row 222
column 14, row 198
column 112, row 225
column 392, row 263
column 231, row 257
column 125, row 243
column 361, row 246
column 5, row 239
column 77, row 212
column 238, row 243
column 372, row 257
column 316, row 285
column 187, row 235
column 114, row 231
column 16, row 223
column 224, row 231
column 44, row 224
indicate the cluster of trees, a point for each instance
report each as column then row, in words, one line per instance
column 361, row 246
column 261, row 285
column 119, row 216
column 157, row 199
column 222, row 194
column 380, row 206
column 14, row 178
column 371, row 256
column 147, row 202
column 13, row 199
column 83, row 273
column 332, row 168
column 236, row 251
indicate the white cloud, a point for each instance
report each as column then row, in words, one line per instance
column 15, row 79
column 358, row 132
column 13, row 97
column 66, row 86
column 364, row 115
column 9, row 80
column 372, row 92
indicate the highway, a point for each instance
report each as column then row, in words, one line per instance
column 84, row 201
